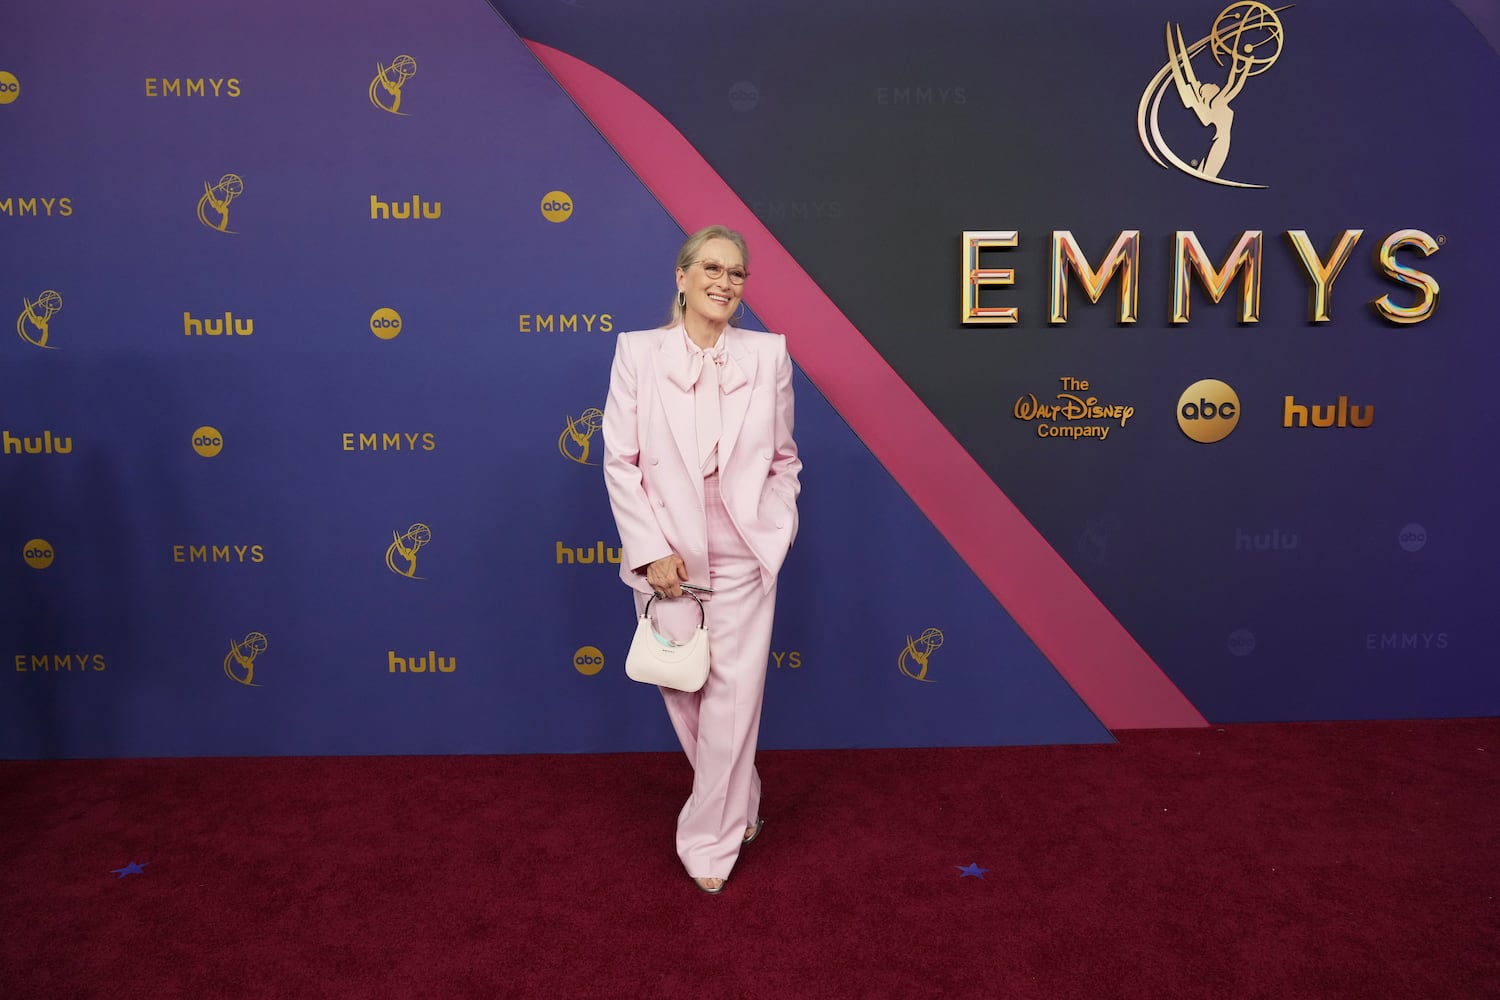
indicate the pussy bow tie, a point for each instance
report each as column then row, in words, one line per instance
column 686, row 375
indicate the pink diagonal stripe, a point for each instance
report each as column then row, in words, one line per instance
column 1088, row 647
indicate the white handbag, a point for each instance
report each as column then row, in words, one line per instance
column 655, row 659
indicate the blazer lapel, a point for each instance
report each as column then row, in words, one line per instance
column 676, row 404
column 736, row 394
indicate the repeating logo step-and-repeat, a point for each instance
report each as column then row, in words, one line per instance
column 397, row 465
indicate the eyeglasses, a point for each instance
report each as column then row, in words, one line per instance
column 715, row 271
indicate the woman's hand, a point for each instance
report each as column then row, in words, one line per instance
column 667, row 575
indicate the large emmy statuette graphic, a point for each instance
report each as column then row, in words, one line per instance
column 217, row 199
column 385, row 89
column 1246, row 39
column 577, row 435
column 239, row 665
column 32, row 323
column 917, row 653
column 405, row 547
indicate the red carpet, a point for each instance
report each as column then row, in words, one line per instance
column 1318, row 860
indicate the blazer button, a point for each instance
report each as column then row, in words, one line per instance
column 661, row 503
column 655, row 460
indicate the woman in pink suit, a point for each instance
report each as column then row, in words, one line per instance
column 702, row 476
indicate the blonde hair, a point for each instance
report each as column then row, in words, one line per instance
column 689, row 253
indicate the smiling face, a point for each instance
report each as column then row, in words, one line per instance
column 712, row 301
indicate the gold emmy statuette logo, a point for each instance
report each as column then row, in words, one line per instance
column 207, row 441
column 217, row 198
column 239, row 665
column 557, row 206
column 385, row 89
column 32, row 323
column 38, row 553
column 917, row 653
column 577, row 435
column 385, row 323
column 405, row 547
column 588, row 660
column 1208, row 410
column 1249, row 36
column 10, row 87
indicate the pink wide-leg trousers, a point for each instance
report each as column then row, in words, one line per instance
column 719, row 724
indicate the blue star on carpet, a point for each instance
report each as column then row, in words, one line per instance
column 133, row 868
column 971, row 869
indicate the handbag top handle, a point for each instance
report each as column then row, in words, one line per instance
column 702, row 619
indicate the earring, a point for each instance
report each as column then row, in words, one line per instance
column 682, row 300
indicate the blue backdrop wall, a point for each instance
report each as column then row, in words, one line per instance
column 313, row 313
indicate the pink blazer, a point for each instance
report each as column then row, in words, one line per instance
column 650, row 453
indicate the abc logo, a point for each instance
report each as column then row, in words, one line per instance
column 744, row 96
column 1208, row 410
column 1241, row 642
column 207, row 441
column 588, row 661
column 1413, row 537
column 557, row 206
column 385, row 323
column 10, row 87
column 38, row 553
